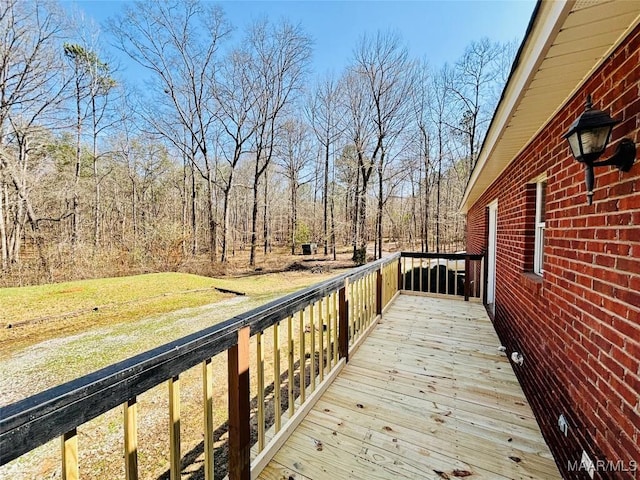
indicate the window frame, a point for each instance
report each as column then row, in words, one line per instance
column 539, row 225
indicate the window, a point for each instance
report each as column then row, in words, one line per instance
column 538, row 253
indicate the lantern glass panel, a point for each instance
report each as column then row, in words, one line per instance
column 574, row 143
column 594, row 140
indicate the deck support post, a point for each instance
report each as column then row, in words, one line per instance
column 343, row 324
column 239, row 408
column 69, row 445
column 399, row 284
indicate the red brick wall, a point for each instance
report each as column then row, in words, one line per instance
column 579, row 327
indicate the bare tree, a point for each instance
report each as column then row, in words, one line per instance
column 32, row 85
column 235, row 100
column 280, row 55
column 388, row 74
column 178, row 41
column 421, row 143
column 470, row 84
column 360, row 130
column 325, row 114
column 439, row 113
column 293, row 156
column 92, row 81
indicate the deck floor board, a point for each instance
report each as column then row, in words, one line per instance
column 427, row 396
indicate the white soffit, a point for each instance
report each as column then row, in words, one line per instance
column 566, row 43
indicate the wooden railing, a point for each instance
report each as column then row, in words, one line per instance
column 300, row 342
column 292, row 349
column 460, row 274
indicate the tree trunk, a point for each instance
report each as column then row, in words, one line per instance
column 96, row 179
column 75, row 219
column 212, row 217
column 380, row 205
column 3, row 229
column 225, row 222
column 254, row 221
column 361, row 252
column 183, row 196
column 294, row 215
column 194, row 217
column 325, row 198
column 265, row 214
column 438, row 182
column 134, row 213
column 355, row 216
column 333, row 227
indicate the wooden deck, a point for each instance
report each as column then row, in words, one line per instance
column 427, row 396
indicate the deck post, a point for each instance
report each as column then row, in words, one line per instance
column 69, row 444
column 131, row 439
column 467, row 277
column 379, row 291
column 239, row 408
column 399, row 284
column 343, row 324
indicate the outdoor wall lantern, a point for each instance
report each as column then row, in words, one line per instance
column 588, row 137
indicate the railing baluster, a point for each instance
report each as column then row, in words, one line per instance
column 174, row 428
column 367, row 298
column 467, row 275
column 303, row 358
column 475, row 279
column 343, row 327
column 420, row 279
column 438, row 276
column 312, row 349
column 260, row 379
column 335, row 327
column 482, row 279
column 207, row 398
column 69, row 446
column 386, row 284
column 329, row 347
column 363, row 320
column 371, row 298
column 321, row 340
column 239, row 408
column 131, row 439
column 353, row 306
column 446, row 288
column 413, row 276
column 290, row 351
column 277, row 400
column 379, row 291
column 356, row 309
column 455, row 278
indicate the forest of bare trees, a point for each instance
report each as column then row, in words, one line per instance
column 233, row 144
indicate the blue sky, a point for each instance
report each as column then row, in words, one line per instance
column 436, row 30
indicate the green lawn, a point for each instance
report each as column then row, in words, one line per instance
column 45, row 312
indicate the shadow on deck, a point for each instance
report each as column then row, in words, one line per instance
column 428, row 395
